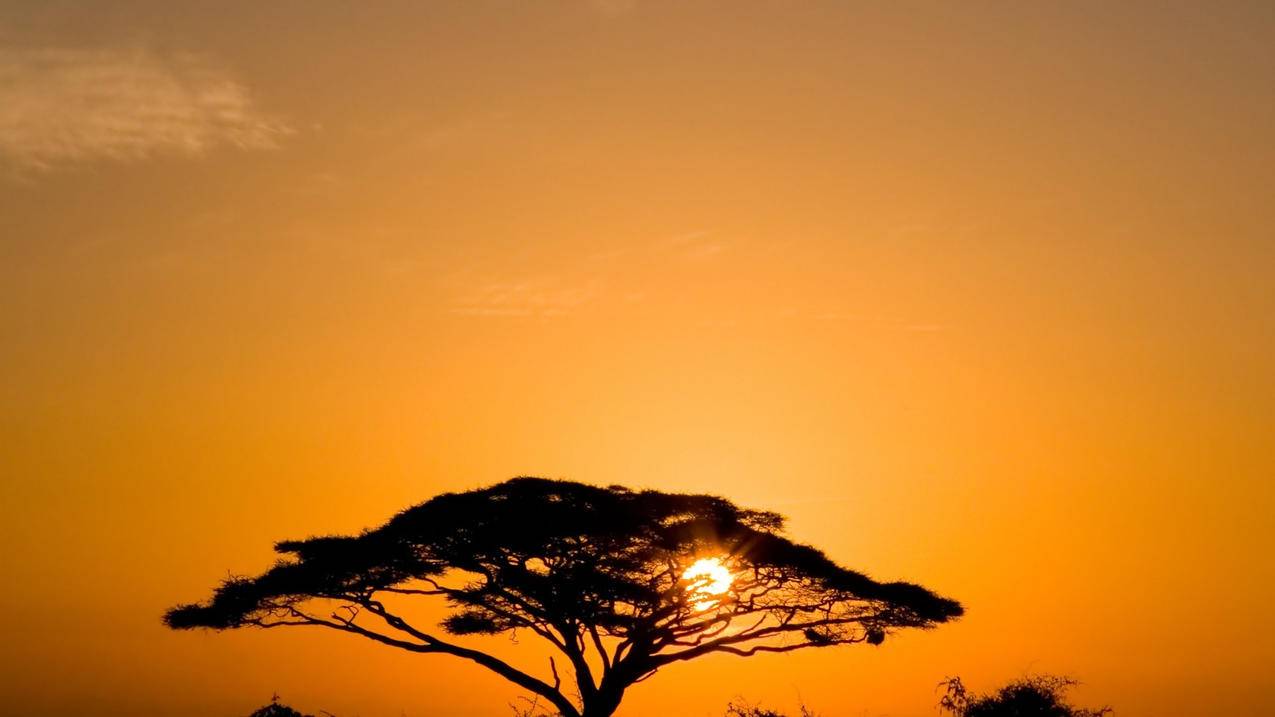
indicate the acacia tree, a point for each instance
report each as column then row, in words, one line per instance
column 603, row 575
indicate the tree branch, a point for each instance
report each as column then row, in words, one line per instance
column 432, row 644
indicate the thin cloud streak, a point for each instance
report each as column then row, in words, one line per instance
column 61, row 106
column 539, row 297
column 613, row 7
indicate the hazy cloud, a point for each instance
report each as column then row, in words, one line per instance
column 698, row 244
column 613, row 7
column 884, row 322
column 618, row 275
column 59, row 106
column 532, row 296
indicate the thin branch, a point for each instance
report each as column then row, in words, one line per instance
column 553, row 667
column 432, row 644
column 602, row 651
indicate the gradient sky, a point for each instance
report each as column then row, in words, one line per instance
column 979, row 294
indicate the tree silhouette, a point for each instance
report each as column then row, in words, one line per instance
column 1035, row 696
column 601, row 574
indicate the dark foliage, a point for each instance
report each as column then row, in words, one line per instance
column 1036, row 696
column 597, row 572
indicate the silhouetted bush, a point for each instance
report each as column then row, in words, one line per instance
column 1035, row 696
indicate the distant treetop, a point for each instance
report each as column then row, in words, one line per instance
column 276, row 709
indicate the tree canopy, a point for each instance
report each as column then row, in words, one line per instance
column 602, row 574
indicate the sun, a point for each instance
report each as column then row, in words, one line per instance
column 710, row 578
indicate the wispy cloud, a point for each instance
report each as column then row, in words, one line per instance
column 884, row 322
column 540, row 297
column 60, row 106
column 617, row 277
column 699, row 244
column 613, row 7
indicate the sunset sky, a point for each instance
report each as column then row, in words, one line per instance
column 980, row 295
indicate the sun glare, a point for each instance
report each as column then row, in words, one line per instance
column 710, row 578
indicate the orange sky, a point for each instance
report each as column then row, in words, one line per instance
column 979, row 295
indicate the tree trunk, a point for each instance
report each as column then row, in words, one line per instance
column 603, row 703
